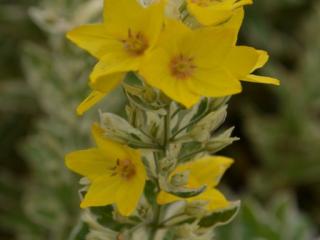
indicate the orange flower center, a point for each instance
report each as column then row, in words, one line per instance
column 136, row 43
column 125, row 169
column 205, row 3
column 182, row 67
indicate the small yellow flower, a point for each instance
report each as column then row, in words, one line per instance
column 205, row 171
column 214, row 12
column 116, row 173
column 128, row 32
column 187, row 64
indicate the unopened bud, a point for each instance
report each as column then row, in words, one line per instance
column 196, row 208
column 184, row 231
column 221, row 141
column 145, row 212
column 149, row 94
column 202, row 130
column 167, row 164
column 180, row 179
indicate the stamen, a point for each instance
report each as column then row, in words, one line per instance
column 136, row 43
column 182, row 67
column 125, row 168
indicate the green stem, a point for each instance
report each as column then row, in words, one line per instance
column 167, row 131
column 154, row 226
column 166, row 142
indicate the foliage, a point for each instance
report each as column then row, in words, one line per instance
column 279, row 220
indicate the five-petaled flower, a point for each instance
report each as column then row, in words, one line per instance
column 128, row 32
column 116, row 173
column 187, row 64
column 205, row 171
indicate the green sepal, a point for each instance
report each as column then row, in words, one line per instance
column 188, row 192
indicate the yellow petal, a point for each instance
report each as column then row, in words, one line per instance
column 262, row 59
column 214, row 82
column 165, row 198
column 206, row 171
column 241, row 60
column 102, row 86
column 113, row 63
column 210, row 46
column 217, row 12
column 121, row 15
column 93, row 98
column 261, row 79
column 240, row 3
column 94, row 38
column 174, row 34
column 107, row 83
column 111, row 150
column 102, row 191
column 216, row 200
column 235, row 21
column 213, row 14
column 129, row 193
column 90, row 163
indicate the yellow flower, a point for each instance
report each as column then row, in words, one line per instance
column 187, row 64
column 205, row 171
column 127, row 33
column 214, row 12
column 116, row 173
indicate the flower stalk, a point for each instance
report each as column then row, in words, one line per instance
column 152, row 173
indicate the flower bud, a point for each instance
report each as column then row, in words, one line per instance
column 149, row 95
column 220, row 141
column 167, row 164
column 202, row 130
column 196, row 208
column 184, row 231
column 180, row 179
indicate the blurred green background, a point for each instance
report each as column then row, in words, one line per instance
column 43, row 77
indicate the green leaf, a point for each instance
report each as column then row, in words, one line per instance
column 220, row 218
column 105, row 218
column 150, row 192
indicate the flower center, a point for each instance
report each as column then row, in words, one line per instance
column 182, row 67
column 124, row 168
column 205, row 3
column 136, row 43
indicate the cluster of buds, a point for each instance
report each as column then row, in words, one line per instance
column 153, row 173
